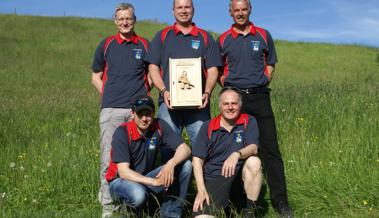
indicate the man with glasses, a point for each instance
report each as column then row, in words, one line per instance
column 249, row 58
column 133, row 174
column 225, row 150
column 119, row 75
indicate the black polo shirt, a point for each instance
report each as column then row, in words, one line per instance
column 246, row 57
column 172, row 43
column 214, row 144
column 124, row 70
column 129, row 146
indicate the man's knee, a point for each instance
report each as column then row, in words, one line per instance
column 252, row 167
column 137, row 198
column 186, row 168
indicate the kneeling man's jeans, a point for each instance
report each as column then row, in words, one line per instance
column 135, row 194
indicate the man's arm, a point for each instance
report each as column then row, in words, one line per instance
column 167, row 171
column 229, row 166
column 126, row 173
column 158, row 83
column 202, row 194
column 97, row 81
column 209, row 85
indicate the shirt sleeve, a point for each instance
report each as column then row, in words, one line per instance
column 120, row 146
column 170, row 139
column 212, row 55
column 271, row 57
column 252, row 132
column 200, row 148
column 154, row 54
column 98, row 63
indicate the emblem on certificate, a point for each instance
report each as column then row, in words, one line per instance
column 185, row 82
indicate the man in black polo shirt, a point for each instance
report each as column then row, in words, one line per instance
column 183, row 40
column 249, row 58
column 133, row 173
column 223, row 151
column 119, row 75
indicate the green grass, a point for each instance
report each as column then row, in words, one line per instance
column 325, row 98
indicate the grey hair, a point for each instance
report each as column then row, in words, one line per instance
column 124, row 6
column 229, row 89
column 231, row 2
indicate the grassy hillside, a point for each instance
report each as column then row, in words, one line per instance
column 325, row 99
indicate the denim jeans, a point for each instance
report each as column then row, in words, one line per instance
column 135, row 194
column 191, row 119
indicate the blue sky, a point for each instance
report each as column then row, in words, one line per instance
column 334, row 21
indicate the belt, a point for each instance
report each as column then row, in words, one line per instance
column 255, row 90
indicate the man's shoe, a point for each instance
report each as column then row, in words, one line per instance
column 284, row 211
column 249, row 213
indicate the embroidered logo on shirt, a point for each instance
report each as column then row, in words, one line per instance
column 152, row 143
column 137, row 53
column 255, row 45
column 195, row 44
column 238, row 136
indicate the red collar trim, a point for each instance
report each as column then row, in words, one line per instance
column 241, row 120
column 133, row 130
column 133, row 39
column 235, row 33
column 194, row 30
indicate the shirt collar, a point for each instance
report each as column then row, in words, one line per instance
column 235, row 33
column 135, row 134
column 241, row 120
column 194, row 30
column 133, row 39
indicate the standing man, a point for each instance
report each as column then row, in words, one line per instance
column 133, row 174
column 222, row 154
column 119, row 75
column 183, row 40
column 249, row 63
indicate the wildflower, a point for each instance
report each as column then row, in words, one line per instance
column 34, row 201
column 365, row 202
column 300, row 119
column 3, row 195
column 12, row 164
column 26, row 176
column 22, row 168
column 49, row 164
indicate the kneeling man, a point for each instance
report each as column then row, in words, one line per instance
column 225, row 148
column 133, row 174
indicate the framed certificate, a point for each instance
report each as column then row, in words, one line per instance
column 185, row 82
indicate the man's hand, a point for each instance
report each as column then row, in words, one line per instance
column 166, row 175
column 166, row 99
column 205, row 100
column 229, row 166
column 200, row 197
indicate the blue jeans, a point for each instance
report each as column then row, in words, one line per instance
column 134, row 194
column 191, row 119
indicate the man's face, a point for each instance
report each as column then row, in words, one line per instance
column 125, row 21
column 240, row 12
column 143, row 119
column 183, row 11
column 230, row 107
